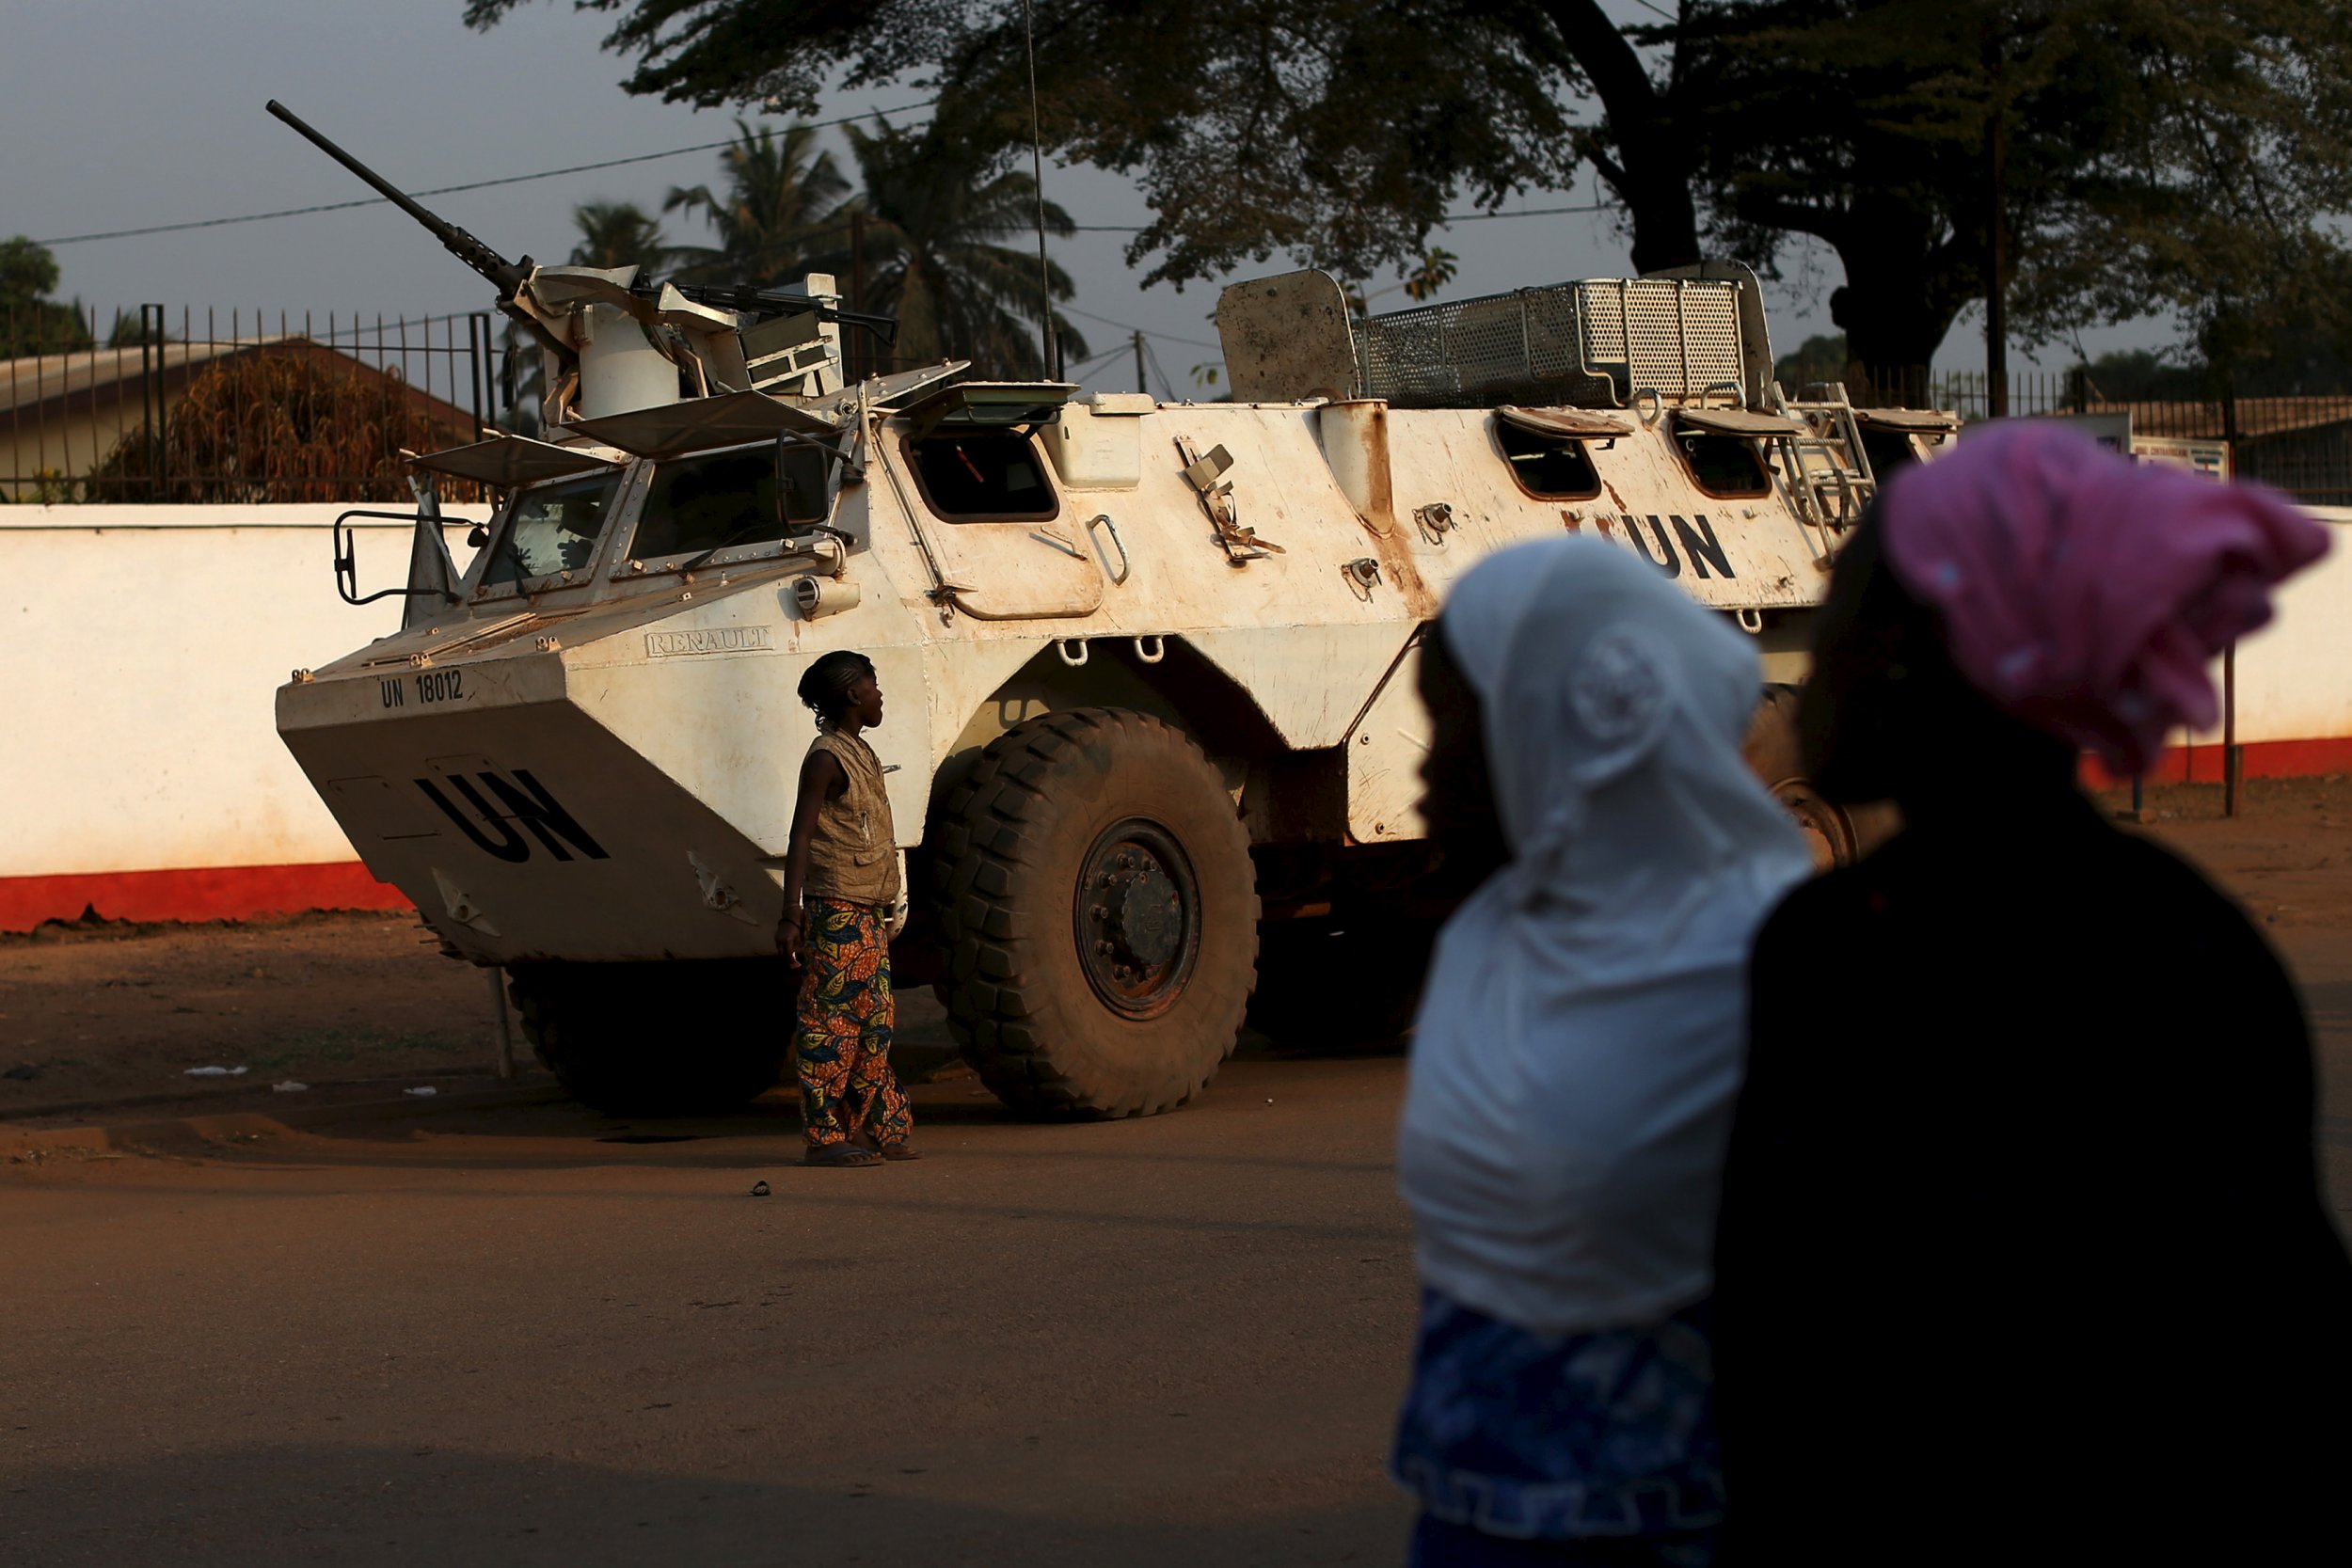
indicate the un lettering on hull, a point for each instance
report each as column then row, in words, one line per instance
column 505, row 812
column 1667, row 543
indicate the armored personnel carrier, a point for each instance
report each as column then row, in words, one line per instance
column 1153, row 731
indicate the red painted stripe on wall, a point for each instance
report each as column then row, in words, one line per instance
column 210, row 893
column 2262, row 759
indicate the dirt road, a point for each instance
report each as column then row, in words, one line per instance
column 537, row 1336
column 527, row 1338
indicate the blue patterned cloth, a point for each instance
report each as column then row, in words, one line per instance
column 1564, row 1438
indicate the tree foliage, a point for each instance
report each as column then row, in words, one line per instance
column 936, row 256
column 615, row 234
column 2179, row 154
column 279, row 425
column 2161, row 154
column 782, row 203
column 938, row 237
column 30, row 321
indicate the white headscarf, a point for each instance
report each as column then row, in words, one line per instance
column 1583, row 1035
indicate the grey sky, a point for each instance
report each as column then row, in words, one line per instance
column 125, row 112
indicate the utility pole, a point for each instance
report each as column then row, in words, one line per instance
column 1139, row 383
column 1037, row 175
column 857, row 289
column 1996, row 242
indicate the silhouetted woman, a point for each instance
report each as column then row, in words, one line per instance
column 2022, row 1256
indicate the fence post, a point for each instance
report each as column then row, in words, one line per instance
column 478, row 327
column 2228, row 429
column 2233, row 759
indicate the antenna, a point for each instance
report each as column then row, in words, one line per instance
column 1037, row 175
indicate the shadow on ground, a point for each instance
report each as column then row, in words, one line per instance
column 363, row 1504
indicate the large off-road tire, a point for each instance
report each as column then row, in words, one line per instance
column 1337, row 984
column 1773, row 756
column 1094, row 894
column 676, row 1038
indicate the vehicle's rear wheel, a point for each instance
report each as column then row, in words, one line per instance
column 1094, row 894
column 648, row 1039
column 1773, row 756
column 1339, row 983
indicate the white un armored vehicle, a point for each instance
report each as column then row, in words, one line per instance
column 1153, row 733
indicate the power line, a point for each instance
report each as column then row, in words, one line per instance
column 1446, row 221
column 1130, row 327
column 453, row 190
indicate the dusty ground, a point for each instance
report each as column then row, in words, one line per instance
column 533, row 1335
column 360, row 1004
column 352, row 1005
column 2287, row 855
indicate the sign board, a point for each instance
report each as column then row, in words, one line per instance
column 2209, row 458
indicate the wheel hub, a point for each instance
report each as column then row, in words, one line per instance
column 1137, row 918
column 1145, row 924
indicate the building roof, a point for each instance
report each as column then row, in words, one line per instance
column 2257, row 418
column 37, row 389
column 35, row 379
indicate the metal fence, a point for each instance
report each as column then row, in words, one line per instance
column 241, row 405
column 236, row 406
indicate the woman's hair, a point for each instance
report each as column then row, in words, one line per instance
column 825, row 686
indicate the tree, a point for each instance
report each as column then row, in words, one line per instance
column 934, row 258
column 1431, row 274
column 278, row 424
column 2155, row 155
column 2129, row 156
column 31, row 323
column 1819, row 358
column 615, row 234
column 1339, row 130
column 783, row 203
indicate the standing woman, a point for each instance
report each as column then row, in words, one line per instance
column 840, row 887
column 2023, row 1255
column 1576, row 1057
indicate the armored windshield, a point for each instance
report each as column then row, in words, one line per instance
column 550, row 528
column 709, row 502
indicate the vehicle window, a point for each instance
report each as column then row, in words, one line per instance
column 551, row 528
column 1723, row 464
column 1549, row 468
column 1888, row 449
column 983, row 476
column 714, row 501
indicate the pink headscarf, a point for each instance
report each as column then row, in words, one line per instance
column 2084, row 593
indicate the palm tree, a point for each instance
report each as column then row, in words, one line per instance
column 783, row 193
column 933, row 222
column 619, row 234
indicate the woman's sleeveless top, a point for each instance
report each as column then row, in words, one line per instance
column 853, row 852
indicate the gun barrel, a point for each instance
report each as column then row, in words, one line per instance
column 465, row 246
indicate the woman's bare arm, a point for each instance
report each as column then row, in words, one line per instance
column 821, row 780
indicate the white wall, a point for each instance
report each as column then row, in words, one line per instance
column 140, row 646
column 2294, row 675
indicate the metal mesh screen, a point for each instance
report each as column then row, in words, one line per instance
column 1578, row 344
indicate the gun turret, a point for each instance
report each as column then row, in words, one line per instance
column 508, row 276
column 618, row 339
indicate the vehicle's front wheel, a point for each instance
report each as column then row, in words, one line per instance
column 648, row 1039
column 1094, row 894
